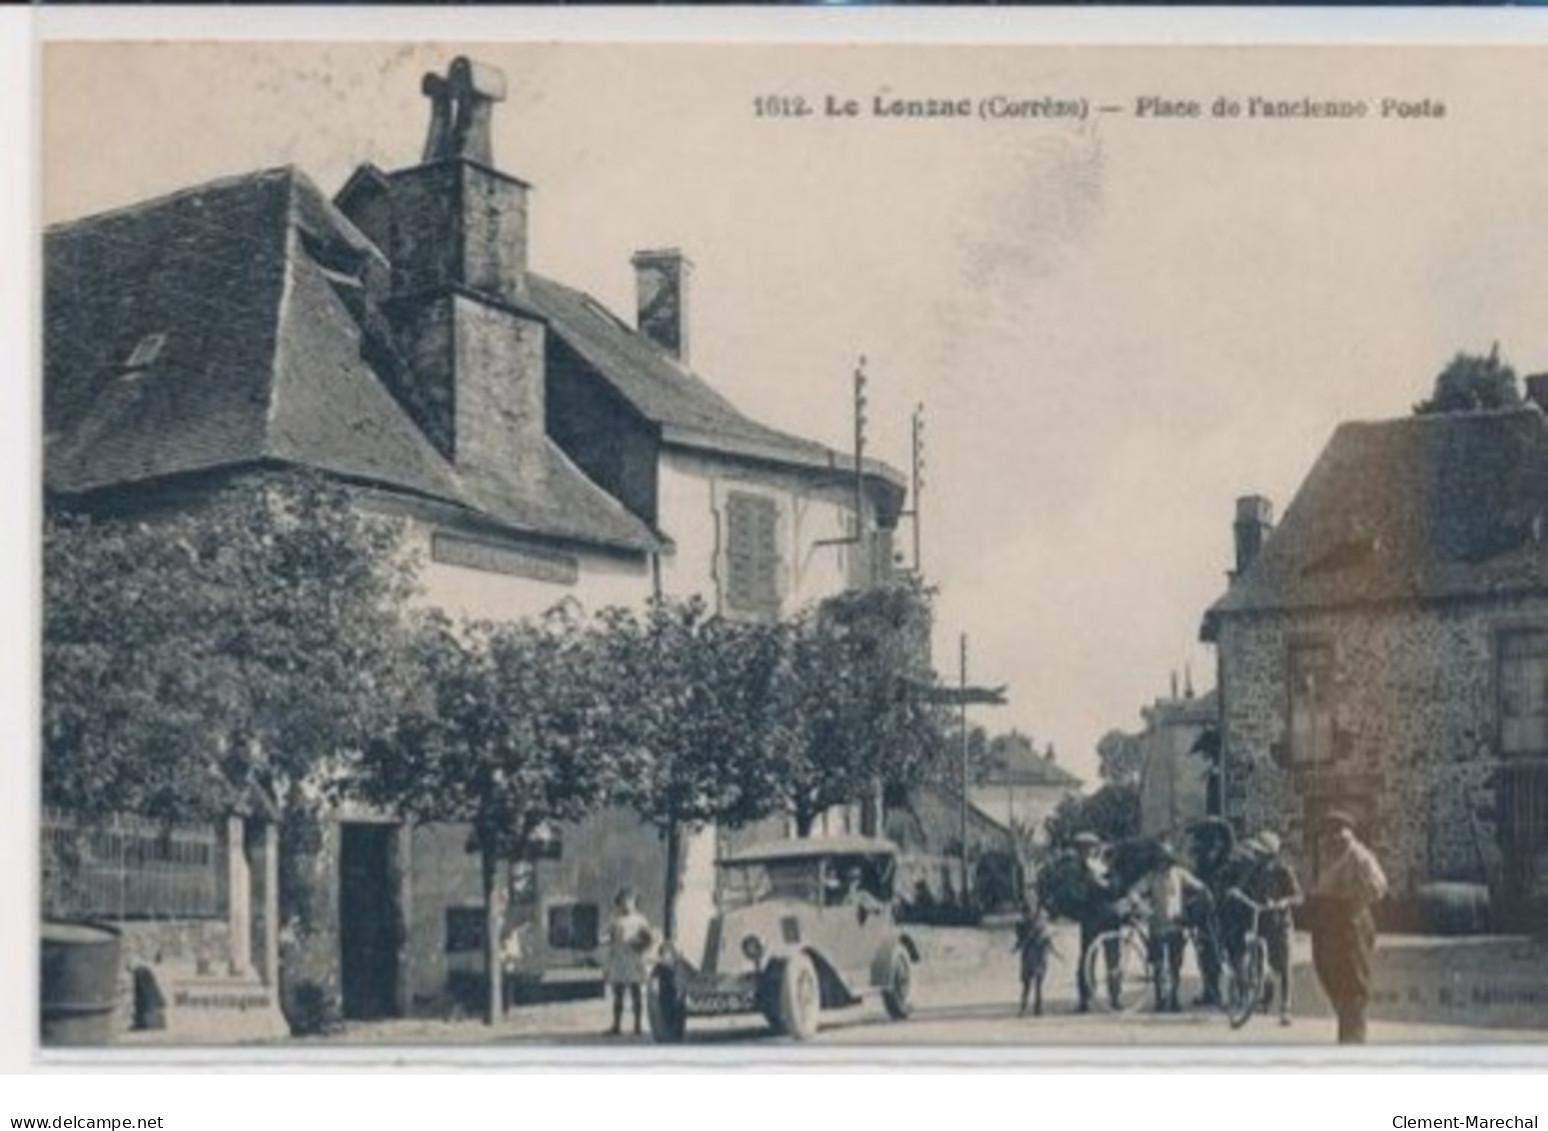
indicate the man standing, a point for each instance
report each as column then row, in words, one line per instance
column 1343, row 932
column 1216, row 862
column 1095, row 907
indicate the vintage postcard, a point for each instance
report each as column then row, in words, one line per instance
column 661, row 548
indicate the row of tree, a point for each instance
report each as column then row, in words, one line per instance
column 263, row 652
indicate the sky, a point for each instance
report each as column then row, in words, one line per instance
column 1116, row 325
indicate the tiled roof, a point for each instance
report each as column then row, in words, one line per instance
column 260, row 360
column 687, row 409
column 1421, row 508
column 1037, row 771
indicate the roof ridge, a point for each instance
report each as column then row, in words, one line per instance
column 150, row 204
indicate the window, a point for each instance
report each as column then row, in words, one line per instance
column 464, row 929
column 1523, row 684
column 752, row 554
column 572, row 926
column 1311, row 704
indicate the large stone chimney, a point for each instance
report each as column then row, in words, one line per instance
column 455, row 230
column 1254, row 520
column 661, row 290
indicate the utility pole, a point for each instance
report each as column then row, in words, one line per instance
column 860, row 421
column 962, row 687
column 916, row 485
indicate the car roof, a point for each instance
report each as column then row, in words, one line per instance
column 810, row 848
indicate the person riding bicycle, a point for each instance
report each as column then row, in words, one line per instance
column 1273, row 886
column 1167, row 890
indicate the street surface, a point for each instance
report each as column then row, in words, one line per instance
column 967, row 990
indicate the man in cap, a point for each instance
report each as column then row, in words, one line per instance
column 1343, row 932
column 1095, row 904
column 1273, row 885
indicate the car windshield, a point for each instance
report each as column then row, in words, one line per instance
column 756, row 882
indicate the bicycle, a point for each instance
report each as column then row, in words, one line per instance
column 1248, row 967
column 1124, row 948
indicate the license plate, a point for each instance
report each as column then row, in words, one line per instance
column 720, row 1001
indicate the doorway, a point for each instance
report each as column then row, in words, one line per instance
column 368, row 921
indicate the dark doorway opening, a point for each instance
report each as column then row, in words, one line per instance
column 368, row 921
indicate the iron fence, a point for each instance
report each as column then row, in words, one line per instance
column 127, row 867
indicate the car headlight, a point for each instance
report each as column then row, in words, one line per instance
column 752, row 947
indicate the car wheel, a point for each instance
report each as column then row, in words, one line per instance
column 664, row 1006
column 898, row 994
column 800, row 998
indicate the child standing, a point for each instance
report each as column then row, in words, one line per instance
column 1167, row 890
column 1034, row 939
column 1274, row 885
column 629, row 940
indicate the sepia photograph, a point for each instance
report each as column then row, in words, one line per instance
column 665, row 548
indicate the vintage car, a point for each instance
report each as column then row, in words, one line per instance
column 800, row 926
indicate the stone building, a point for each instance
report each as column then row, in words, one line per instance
column 537, row 446
column 1177, row 786
column 1384, row 650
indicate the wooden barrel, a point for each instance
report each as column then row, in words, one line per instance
column 80, row 964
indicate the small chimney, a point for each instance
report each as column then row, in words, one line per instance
column 1537, row 390
column 1254, row 520
column 661, row 289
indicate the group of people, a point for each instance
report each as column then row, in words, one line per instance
column 1214, row 904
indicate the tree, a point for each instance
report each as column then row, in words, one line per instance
column 1119, row 758
column 853, row 702
column 693, row 713
column 1470, row 383
column 1112, row 813
column 215, row 658
column 502, row 734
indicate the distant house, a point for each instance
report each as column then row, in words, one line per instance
column 1024, row 792
column 538, row 447
column 928, row 828
column 1177, row 784
column 1385, row 650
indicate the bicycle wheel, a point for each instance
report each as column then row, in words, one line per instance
column 1117, row 968
column 1245, row 992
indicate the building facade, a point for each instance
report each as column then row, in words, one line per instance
column 1178, row 785
column 538, row 448
column 1384, row 650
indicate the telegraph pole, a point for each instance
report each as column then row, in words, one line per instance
column 917, row 482
column 962, row 687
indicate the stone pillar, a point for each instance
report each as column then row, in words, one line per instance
column 271, row 919
column 239, row 886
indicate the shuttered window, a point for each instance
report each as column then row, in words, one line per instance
column 1524, row 692
column 1311, row 704
column 752, row 554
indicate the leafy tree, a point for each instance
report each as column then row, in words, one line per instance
column 501, row 734
column 1112, row 813
column 1119, row 758
column 854, row 702
column 1470, row 383
column 693, row 713
column 217, row 657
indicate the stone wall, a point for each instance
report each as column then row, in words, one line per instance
column 1414, row 732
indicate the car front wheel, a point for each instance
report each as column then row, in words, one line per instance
column 898, row 994
column 800, row 998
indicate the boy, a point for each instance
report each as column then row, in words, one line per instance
column 1034, row 939
column 1273, row 884
column 629, row 940
column 1167, row 889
